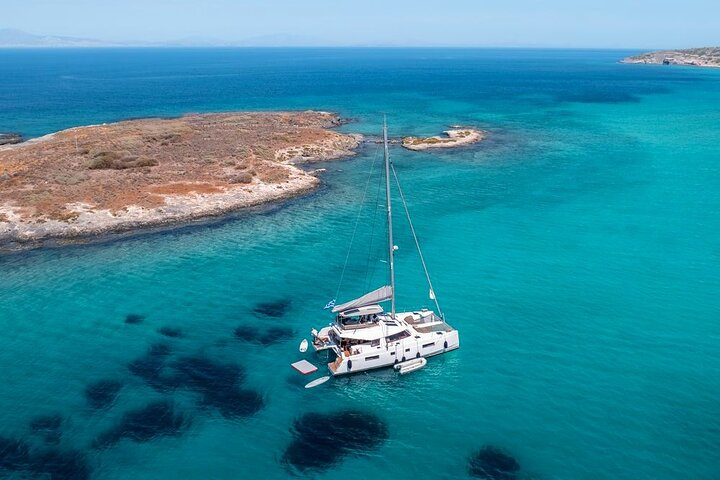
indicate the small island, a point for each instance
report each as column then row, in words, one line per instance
column 697, row 57
column 128, row 175
column 455, row 137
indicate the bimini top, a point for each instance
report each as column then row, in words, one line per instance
column 366, row 310
column 372, row 298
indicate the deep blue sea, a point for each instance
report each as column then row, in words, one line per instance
column 577, row 251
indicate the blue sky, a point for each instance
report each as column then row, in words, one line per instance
column 515, row 23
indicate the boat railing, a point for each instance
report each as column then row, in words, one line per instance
column 420, row 318
column 356, row 326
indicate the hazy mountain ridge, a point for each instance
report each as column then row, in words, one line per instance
column 10, row 37
column 13, row 38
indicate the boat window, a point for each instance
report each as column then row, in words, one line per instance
column 398, row 336
column 373, row 357
column 375, row 343
column 428, row 345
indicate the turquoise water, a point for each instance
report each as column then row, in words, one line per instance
column 577, row 251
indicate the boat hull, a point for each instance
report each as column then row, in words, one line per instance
column 388, row 356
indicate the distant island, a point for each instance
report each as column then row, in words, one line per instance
column 13, row 38
column 697, row 57
column 122, row 176
column 456, row 137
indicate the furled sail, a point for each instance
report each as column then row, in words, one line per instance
column 376, row 296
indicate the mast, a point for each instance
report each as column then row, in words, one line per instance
column 391, row 246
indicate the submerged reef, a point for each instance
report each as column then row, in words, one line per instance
column 275, row 309
column 49, row 426
column 134, row 318
column 171, row 332
column 44, row 423
column 322, row 440
column 234, row 402
column 102, row 394
column 248, row 333
column 203, row 375
column 219, row 386
column 493, row 463
column 150, row 367
column 271, row 336
column 157, row 419
column 16, row 456
column 61, row 465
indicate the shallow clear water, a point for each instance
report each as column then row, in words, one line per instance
column 577, row 251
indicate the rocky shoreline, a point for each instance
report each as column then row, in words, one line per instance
column 139, row 174
column 10, row 138
column 696, row 57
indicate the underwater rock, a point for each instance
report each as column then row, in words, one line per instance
column 61, row 465
column 273, row 309
column 46, row 422
column 272, row 335
column 170, row 332
column 248, row 334
column 235, row 402
column 103, row 393
column 322, row 440
column 150, row 366
column 206, row 376
column 134, row 318
column 158, row 419
column 493, row 463
column 14, row 454
column 49, row 426
column 219, row 385
column 276, row 335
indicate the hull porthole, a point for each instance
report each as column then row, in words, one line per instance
column 349, row 365
column 445, row 344
column 417, row 355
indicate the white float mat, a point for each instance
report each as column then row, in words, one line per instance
column 304, row 367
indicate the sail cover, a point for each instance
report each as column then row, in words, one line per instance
column 376, row 296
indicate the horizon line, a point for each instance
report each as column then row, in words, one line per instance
column 379, row 47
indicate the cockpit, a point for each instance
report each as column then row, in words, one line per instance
column 359, row 317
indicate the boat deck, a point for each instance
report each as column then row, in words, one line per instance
column 426, row 322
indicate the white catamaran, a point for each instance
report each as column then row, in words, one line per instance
column 364, row 336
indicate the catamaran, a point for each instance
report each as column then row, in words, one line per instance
column 363, row 336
